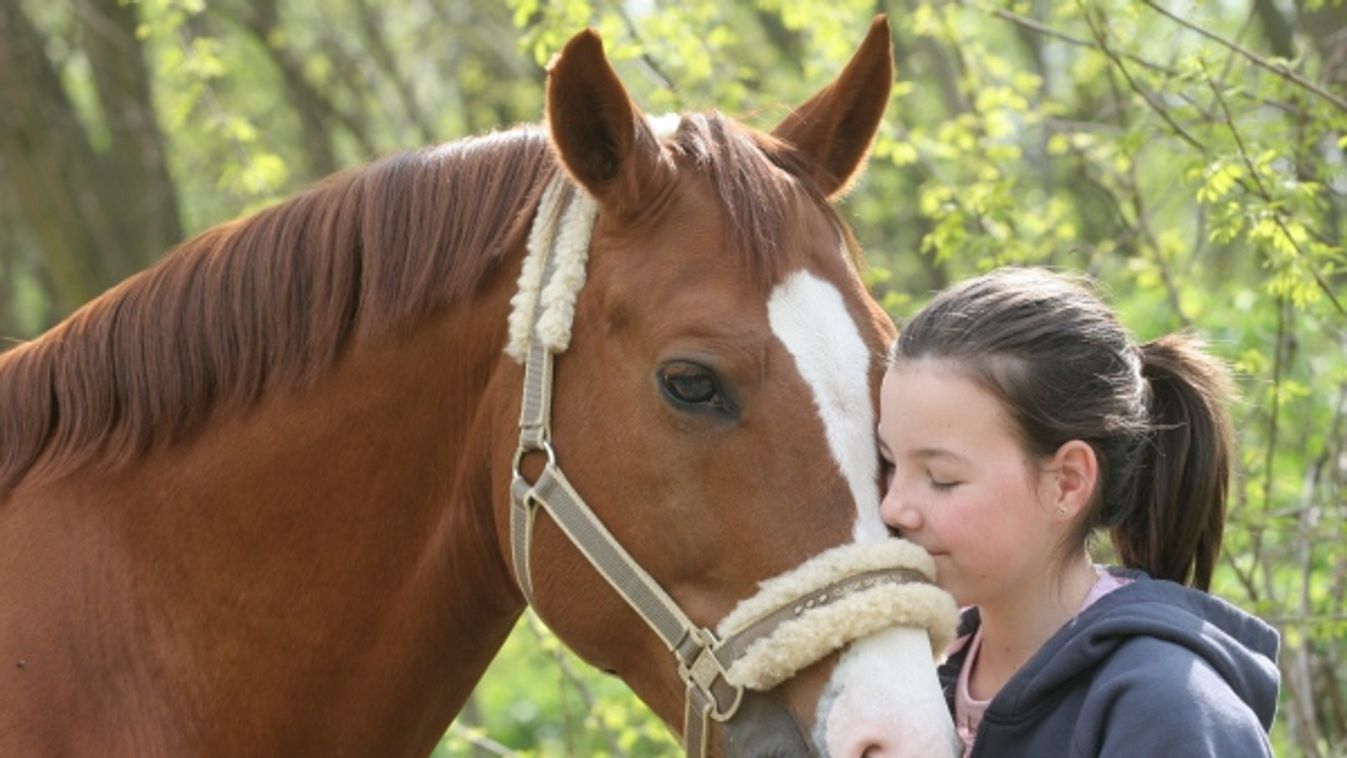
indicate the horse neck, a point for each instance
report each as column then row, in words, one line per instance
column 321, row 571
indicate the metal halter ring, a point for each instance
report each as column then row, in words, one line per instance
column 544, row 445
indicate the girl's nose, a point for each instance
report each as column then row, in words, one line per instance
column 899, row 512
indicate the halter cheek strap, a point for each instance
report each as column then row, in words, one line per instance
column 552, row 252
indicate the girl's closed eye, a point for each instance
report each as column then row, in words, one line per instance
column 940, row 484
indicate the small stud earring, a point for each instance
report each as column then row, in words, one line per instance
column 1061, row 510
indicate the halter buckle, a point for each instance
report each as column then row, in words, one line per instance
column 703, row 672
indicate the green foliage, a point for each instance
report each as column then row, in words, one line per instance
column 1183, row 160
column 538, row 699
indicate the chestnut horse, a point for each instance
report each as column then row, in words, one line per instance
column 255, row 501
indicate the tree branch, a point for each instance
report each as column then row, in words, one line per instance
column 373, row 28
column 51, row 165
column 568, row 674
column 148, row 214
column 308, row 104
column 646, row 58
column 1154, row 106
column 481, row 744
column 1276, row 68
column 1047, row 31
column 1301, row 255
column 1143, row 221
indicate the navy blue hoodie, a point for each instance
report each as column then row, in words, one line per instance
column 1150, row 669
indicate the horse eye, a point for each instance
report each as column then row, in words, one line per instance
column 690, row 384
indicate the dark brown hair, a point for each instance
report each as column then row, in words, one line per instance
column 1065, row 369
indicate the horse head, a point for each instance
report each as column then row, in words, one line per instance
column 714, row 405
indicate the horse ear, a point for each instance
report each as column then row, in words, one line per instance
column 836, row 126
column 598, row 133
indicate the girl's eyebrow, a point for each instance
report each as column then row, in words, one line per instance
column 923, row 453
column 926, row 453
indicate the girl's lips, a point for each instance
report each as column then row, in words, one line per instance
column 933, row 552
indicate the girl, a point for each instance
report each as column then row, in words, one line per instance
column 1017, row 418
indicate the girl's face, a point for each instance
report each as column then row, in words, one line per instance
column 960, row 485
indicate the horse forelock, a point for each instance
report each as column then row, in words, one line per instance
column 266, row 302
column 758, row 181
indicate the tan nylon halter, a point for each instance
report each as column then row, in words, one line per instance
column 703, row 659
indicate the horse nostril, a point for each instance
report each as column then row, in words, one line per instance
column 877, row 746
column 883, row 748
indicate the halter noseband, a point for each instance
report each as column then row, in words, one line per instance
column 769, row 636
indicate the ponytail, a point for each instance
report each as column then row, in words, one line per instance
column 1172, row 529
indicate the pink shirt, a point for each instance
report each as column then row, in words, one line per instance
column 967, row 709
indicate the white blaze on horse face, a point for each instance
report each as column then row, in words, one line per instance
column 809, row 317
column 883, row 699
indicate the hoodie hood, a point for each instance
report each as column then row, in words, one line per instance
column 1239, row 647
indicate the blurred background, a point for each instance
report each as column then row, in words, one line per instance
column 1189, row 155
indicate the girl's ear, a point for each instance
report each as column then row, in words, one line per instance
column 1075, row 471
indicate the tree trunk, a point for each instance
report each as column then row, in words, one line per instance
column 314, row 110
column 1275, row 28
column 50, row 165
column 96, row 217
column 148, row 218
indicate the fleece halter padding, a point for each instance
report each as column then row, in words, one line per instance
column 566, row 233
column 830, row 602
column 563, row 228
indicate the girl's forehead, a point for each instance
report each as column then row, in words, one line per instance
column 929, row 401
column 932, row 379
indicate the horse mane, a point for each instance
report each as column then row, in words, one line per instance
column 271, row 301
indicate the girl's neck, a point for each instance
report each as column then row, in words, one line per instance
column 1014, row 628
